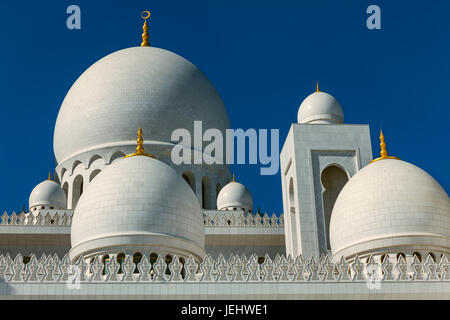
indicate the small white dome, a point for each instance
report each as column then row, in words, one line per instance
column 235, row 195
column 48, row 194
column 138, row 204
column 320, row 108
column 153, row 87
column 390, row 206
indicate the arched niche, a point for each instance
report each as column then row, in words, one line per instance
column 116, row 156
column 291, row 196
column 333, row 180
column 66, row 190
column 206, row 194
column 292, row 215
column 93, row 158
column 93, row 174
column 77, row 190
column 189, row 177
column 75, row 165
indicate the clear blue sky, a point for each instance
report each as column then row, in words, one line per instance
column 264, row 57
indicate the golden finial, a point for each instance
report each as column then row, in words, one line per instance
column 49, row 175
column 234, row 180
column 383, row 151
column 145, row 15
column 317, row 86
column 140, row 147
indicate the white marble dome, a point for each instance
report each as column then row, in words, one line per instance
column 320, row 108
column 138, row 204
column 390, row 206
column 153, row 87
column 235, row 196
column 47, row 194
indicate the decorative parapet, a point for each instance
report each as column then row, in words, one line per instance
column 235, row 269
column 55, row 218
column 214, row 218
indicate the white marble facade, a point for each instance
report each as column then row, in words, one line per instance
column 309, row 149
column 159, row 230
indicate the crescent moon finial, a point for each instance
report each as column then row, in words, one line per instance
column 145, row 14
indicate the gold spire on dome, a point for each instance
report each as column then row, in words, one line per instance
column 140, row 146
column 383, row 151
column 49, row 175
column 145, row 15
column 234, row 180
column 317, row 87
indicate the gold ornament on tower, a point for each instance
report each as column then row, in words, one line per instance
column 383, row 151
column 145, row 15
column 140, row 147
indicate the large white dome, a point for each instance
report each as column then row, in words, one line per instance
column 320, row 108
column 47, row 194
column 138, row 204
column 147, row 85
column 390, row 206
column 234, row 196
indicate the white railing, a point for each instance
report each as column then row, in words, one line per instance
column 235, row 269
column 55, row 218
column 63, row 218
column 241, row 219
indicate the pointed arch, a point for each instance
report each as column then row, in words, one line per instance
column 189, row 177
column 75, row 164
column 66, row 190
column 401, row 254
column 93, row 158
column 432, row 256
column 77, row 190
column 61, row 175
column 93, row 174
column 333, row 180
column 418, row 255
column 116, row 155
column 206, row 193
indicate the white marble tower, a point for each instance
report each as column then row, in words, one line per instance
column 319, row 156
